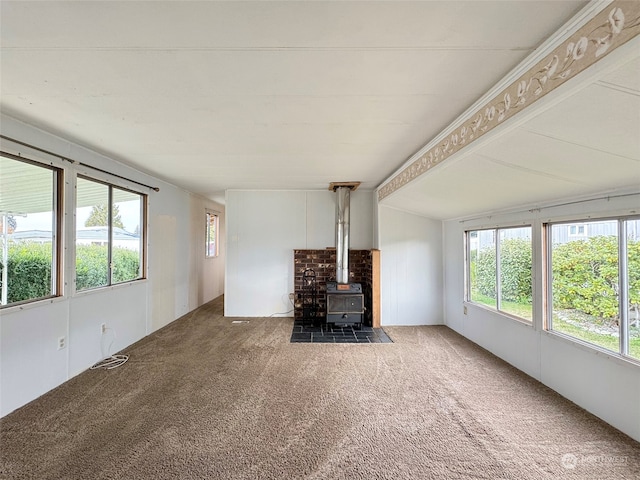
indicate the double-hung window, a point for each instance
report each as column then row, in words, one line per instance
column 110, row 227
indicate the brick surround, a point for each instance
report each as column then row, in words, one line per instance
column 323, row 262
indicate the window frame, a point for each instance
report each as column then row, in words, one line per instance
column 209, row 214
column 57, row 203
column 496, row 239
column 623, row 283
column 143, row 234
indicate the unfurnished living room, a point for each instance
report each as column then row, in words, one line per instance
column 320, row 239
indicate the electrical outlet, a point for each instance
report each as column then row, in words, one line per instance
column 464, row 309
column 103, row 328
column 62, row 343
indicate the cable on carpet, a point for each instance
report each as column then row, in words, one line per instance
column 110, row 362
column 280, row 313
column 285, row 313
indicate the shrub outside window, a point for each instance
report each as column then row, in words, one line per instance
column 109, row 234
column 499, row 263
column 29, row 230
column 595, row 284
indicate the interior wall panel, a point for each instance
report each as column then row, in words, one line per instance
column 263, row 229
column 411, row 268
column 30, row 361
column 121, row 310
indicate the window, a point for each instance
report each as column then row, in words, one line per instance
column 29, row 230
column 109, row 234
column 499, row 270
column 211, row 240
column 595, row 284
column 576, row 230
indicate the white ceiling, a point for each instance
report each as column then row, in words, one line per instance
column 586, row 143
column 220, row 95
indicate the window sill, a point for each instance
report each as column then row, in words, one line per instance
column 107, row 288
column 9, row 309
column 515, row 318
column 31, row 304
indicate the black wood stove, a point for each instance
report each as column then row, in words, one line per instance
column 345, row 303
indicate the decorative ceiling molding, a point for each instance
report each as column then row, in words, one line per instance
column 613, row 26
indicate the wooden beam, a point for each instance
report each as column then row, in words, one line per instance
column 352, row 185
column 375, row 288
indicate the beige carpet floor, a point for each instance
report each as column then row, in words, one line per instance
column 205, row 398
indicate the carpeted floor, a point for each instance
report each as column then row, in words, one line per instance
column 205, row 398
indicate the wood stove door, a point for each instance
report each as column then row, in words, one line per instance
column 345, row 303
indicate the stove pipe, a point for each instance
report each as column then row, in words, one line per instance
column 343, row 197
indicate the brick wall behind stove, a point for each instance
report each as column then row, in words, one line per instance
column 323, row 263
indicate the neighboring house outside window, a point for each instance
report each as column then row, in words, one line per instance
column 109, row 234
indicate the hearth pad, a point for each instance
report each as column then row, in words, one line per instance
column 326, row 333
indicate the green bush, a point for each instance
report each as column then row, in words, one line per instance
column 28, row 271
column 633, row 267
column 485, row 272
column 91, row 266
column 515, row 271
column 126, row 265
column 585, row 275
column 29, row 268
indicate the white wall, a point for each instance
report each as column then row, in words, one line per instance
column 179, row 279
column 411, row 268
column 603, row 384
column 210, row 271
column 263, row 229
column 179, row 273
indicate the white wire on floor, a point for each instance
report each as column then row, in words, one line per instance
column 280, row 313
column 110, row 361
column 285, row 313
